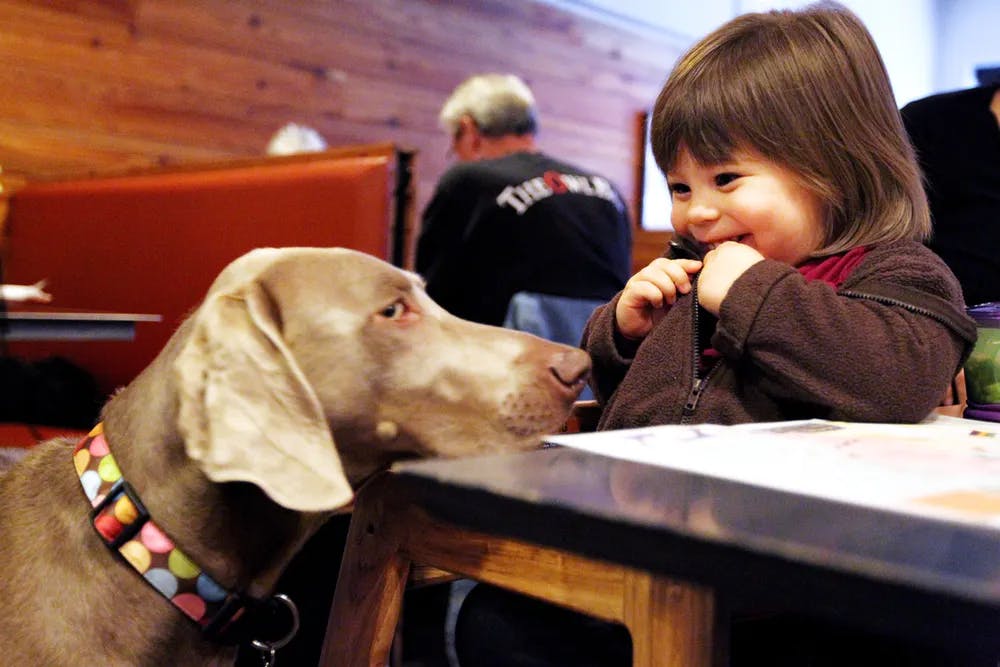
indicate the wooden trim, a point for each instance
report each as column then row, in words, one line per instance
column 639, row 166
column 404, row 222
column 647, row 246
column 361, row 150
column 9, row 184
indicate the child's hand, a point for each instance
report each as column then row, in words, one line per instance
column 722, row 267
column 642, row 303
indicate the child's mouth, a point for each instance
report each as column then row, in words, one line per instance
column 736, row 239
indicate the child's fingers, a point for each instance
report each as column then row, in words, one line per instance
column 689, row 265
column 649, row 291
column 680, row 274
column 645, row 293
column 634, row 312
column 677, row 269
column 670, row 276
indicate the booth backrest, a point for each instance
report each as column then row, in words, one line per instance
column 153, row 242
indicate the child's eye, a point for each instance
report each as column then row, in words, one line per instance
column 725, row 178
column 679, row 188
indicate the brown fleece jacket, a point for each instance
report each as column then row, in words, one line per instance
column 883, row 348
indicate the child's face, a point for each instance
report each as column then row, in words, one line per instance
column 748, row 199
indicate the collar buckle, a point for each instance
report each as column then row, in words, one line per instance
column 119, row 516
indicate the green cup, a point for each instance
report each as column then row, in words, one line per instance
column 982, row 368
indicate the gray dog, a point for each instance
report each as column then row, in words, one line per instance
column 304, row 372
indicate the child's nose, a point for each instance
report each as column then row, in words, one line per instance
column 701, row 211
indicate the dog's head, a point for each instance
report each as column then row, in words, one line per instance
column 307, row 369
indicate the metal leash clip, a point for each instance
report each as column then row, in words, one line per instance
column 269, row 649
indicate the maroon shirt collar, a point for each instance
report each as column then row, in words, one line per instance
column 832, row 270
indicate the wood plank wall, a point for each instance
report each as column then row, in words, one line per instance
column 101, row 86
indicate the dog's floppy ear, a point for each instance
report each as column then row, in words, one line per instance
column 247, row 412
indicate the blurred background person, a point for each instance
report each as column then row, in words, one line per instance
column 512, row 237
column 293, row 138
column 509, row 220
column 957, row 139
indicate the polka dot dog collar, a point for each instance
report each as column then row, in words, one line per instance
column 123, row 523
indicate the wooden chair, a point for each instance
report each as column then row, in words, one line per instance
column 583, row 418
column 953, row 403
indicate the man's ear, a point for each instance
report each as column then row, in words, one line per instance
column 467, row 124
column 470, row 134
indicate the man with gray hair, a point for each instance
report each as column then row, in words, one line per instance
column 510, row 220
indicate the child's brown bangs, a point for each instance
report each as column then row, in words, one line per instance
column 705, row 133
column 722, row 99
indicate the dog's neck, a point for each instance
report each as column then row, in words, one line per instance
column 208, row 520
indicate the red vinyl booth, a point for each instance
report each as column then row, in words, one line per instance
column 152, row 242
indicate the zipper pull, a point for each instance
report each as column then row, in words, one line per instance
column 692, row 401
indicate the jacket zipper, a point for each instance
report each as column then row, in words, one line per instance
column 700, row 382
column 889, row 301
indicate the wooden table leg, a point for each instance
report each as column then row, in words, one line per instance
column 672, row 624
column 370, row 588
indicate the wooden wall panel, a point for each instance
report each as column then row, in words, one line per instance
column 101, row 86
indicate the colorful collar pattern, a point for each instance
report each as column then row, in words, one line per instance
column 123, row 523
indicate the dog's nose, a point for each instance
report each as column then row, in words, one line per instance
column 571, row 367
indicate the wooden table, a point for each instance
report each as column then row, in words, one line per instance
column 665, row 552
column 20, row 322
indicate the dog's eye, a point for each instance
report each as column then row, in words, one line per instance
column 393, row 310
